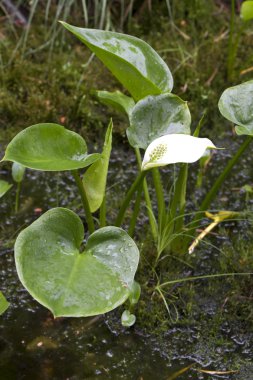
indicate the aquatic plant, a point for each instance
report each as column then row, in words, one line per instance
column 4, row 304
column 73, row 276
column 246, row 14
column 4, row 187
column 18, row 172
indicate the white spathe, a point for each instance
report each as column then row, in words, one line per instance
column 173, row 148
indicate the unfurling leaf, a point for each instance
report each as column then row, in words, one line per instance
column 94, row 179
column 117, row 100
column 17, row 172
column 135, row 292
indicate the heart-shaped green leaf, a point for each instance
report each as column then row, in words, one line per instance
column 4, row 304
column 156, row 116
column 4, row 187
column 132, row 61
column 49, row 147
column 247, row 10
column 236, row 105
column 70, row 283
column 127, row 319
column 94, row 179
column 117, row 100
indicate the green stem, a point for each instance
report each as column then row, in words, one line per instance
column 85, row 202
column 202, row 278
column 217, row 184
column 135, row 212
column 183, row 175
column 177, row 209
column 102, row 213
column 159, row 195
column 138, row 182
column 147, row 198
column 230, row 60
column 178, row 200
column 17, row 196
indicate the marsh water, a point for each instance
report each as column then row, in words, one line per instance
column 35, row 346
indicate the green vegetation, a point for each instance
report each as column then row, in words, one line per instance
column 62, row 93
column 50, row 78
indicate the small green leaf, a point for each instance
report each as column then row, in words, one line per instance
column 70, row 283
column 236, row 104
column 94, row 179
column 127, row 319
column 18, row 172
column 135, row 293
column 4, row 187
column 247, row 10
column 132, row 61
column 49, row 147
column 116, row 100
column 156, row 116
column 247, row 188
column 4, row 304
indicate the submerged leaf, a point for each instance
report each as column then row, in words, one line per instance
column 214, row 372
column 41, row 342
column 177, row 374
column 117, row 100
column 4, row 304
column 132, row 61
column 155, row 116
column 172, row 149
column 70, row 283
column 236, row 104
column 49, row 147
column 94, row 179
column 4, row 187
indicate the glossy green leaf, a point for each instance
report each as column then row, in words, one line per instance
column 132, row 61
column 117, row 100
column 127, row 319
column 94, row 179
column 4, row 304
column 70, row 283
column 4, row 187
column 247, row 10
column 156, row 116
column 17, row 172
column 49, row 147
column 236, row 105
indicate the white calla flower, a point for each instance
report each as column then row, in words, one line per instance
column 174, row 148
